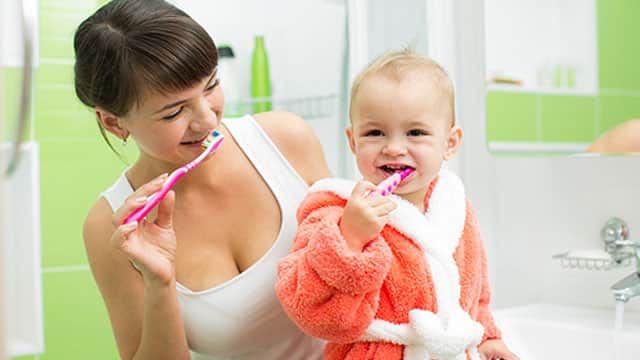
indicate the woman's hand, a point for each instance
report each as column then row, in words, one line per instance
column 364, row 216
column 150, row 245
column 494, row 350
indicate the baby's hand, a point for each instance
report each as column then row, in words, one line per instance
column 494, row 350
column 364, row 216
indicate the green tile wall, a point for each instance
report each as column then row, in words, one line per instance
column 76, row 165
column 617, row 107
column 567, row 118
column 513, row 116
column 12, row 87
column 617, row 50
column 76, row 325
column 562, row 118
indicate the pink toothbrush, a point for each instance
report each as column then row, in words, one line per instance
column 389, row 184
column 211, row 144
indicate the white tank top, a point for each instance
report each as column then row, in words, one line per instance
column 242, row 318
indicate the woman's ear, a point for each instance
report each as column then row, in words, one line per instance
column 111, row 123
column 453, row 142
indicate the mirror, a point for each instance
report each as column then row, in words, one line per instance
column 562, row 76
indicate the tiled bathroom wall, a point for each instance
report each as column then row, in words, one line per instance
column 561, row 118
column 76, row 165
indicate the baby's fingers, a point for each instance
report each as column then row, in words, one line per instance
column 362, row 188
column 384, row 208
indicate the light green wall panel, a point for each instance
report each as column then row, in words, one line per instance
column 617, row 109
column 73, row 175
column 12, row 88
column 511, row 116
column 58, row 22
column 618, row 48
column 59, row 113
column 76, row 322
column 567, row 118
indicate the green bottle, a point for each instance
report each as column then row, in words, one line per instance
column 260, row 83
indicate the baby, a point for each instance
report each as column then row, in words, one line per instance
column 403, row 276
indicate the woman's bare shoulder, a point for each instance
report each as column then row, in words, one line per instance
column 297, row 142
column 97, row 220
column 621, row 139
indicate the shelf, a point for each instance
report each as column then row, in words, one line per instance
column 584, row 263
column 540, row 91
column 534, row 147
column 310, row 107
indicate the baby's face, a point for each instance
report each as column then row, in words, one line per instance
column 396, row 125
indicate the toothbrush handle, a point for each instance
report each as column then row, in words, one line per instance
column 155, row 199
column 387, row 185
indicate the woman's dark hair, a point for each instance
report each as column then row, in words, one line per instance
column 131, row 47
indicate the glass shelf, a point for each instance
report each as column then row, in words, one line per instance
column 541, row 90
column 308, row 108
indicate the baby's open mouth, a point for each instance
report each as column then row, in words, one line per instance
column 392, row 169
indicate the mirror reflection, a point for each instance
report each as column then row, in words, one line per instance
column 561, row 77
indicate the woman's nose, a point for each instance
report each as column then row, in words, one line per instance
column 204, row 117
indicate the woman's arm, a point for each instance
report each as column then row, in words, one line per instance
column 142, row 304
column 297, row 142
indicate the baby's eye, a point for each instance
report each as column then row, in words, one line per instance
column 417, row 132
column 373, row 133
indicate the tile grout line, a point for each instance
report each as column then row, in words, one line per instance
column 62, row 269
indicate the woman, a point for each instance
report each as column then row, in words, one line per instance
column 198, row 273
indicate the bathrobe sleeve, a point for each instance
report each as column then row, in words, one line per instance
column 475, row 292
column 328, row 290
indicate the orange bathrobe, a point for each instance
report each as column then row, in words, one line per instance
column 417, row 291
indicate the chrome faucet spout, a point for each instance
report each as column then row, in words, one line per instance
column 627, row 288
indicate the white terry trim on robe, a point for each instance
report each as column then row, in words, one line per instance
column 447, row 334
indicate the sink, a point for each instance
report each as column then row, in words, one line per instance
column 554, row 332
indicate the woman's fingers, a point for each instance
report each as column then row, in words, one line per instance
column 165, row 211
column 138, row 199
column 121, row 235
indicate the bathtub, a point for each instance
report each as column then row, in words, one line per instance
column 554, row 332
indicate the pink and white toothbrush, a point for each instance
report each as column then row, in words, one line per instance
column 210, row 144
column 386, row 186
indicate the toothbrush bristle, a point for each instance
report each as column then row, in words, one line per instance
column 405, row 173
column 209, row 140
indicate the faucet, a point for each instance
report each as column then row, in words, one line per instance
column 629, row 286
column 615, row 235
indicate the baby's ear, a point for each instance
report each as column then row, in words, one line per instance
column 350, row 139
column 453, row 142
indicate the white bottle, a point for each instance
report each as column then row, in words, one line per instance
column 233, row 104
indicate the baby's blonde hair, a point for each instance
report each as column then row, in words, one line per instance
column 398, row 65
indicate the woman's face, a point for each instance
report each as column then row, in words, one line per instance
column 171, row 127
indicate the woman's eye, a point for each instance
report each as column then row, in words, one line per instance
column 213, row 86
column 173, row 115
column 417, row 132
column 373, row 133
